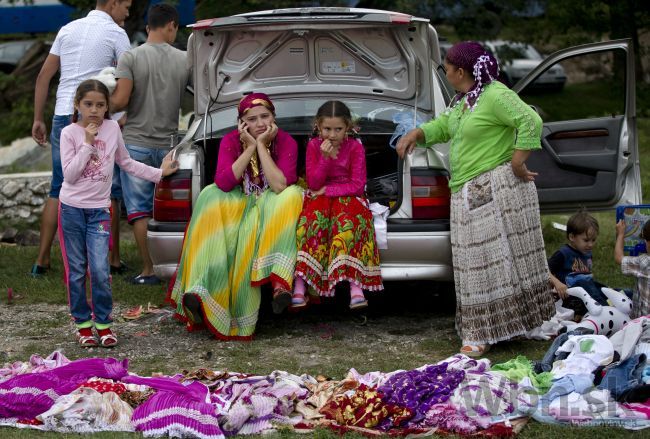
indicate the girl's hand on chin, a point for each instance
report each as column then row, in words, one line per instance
column 91, row 132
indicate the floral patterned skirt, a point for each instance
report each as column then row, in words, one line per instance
column 336, row 242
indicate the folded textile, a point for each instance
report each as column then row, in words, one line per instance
column 88, row 411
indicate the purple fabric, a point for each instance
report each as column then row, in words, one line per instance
column 449, row 419
column 420, row 389
column 472, row 57
column 35, row 364
column 176, row 410
column 255, row 404
column 284, row 152
column 26, row 396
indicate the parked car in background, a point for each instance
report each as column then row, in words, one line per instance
column 12, row 52
column 445, row 45
column 519, row 59
column 386, row 67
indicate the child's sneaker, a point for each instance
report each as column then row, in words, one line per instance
column 106, row 338
column 86, row 338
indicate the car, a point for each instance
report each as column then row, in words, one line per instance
column 517, row 60
column 386, row 67
column 445, row 45
column 12, row 52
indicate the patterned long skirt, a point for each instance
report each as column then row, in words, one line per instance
column 336, row 242
column 233, row 244
column 500, row 270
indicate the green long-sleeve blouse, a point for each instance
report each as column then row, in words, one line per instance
column 484, row 138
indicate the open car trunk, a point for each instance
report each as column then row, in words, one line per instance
column 381, row 166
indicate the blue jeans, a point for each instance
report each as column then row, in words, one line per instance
column 116, row 184
column 58, row 123
column 138, row 193
column 84, row 245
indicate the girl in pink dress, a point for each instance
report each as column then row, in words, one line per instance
column 335, row 234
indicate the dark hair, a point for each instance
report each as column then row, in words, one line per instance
column 160, row 14
column 581, row 222
column 87, row 86
column 645, row 232
column 332, row 109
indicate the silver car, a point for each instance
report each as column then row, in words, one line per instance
column 517, row 60
column 386, row 67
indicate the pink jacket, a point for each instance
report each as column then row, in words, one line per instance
column 343, row 176
column 88, row 169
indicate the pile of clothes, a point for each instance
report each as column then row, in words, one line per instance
column 584, row 379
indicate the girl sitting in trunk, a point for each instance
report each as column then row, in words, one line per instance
column 335, row 234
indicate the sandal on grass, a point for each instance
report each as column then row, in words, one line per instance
column 106, row 338
column 133, row 313
column 86, row 338
column 475, row 351
column 39, row 270
column 119, row 269
column 145, row 280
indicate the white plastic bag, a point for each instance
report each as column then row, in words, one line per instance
column 379, row 217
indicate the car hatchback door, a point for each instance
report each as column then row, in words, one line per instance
column 589, row 153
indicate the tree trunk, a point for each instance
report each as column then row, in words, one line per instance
column 623, row 25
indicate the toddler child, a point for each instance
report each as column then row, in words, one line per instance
column 570, row 266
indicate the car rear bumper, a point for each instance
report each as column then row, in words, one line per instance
column 417, row 255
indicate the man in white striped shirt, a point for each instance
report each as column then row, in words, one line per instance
column 82, row 48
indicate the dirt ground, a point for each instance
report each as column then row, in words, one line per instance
column 326, row 339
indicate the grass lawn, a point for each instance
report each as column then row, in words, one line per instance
column 337, row 354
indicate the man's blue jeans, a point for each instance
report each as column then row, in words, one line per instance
column 58, row 123
column 84, row 245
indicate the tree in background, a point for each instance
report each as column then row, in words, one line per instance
column 133, row 23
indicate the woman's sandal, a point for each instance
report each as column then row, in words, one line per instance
column 106, row 338
column 475, row 351
column 281, row 300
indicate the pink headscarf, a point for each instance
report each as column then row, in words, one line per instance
column 254, row 100
column 472, row 57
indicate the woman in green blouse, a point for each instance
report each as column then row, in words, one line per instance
column 500, row 270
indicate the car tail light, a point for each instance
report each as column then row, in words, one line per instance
column 430, row 196
column 173, row 197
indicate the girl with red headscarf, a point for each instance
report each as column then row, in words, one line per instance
column 500, row 270
column 243, row 228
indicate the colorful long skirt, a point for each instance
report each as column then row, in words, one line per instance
column 234, row 244
column 336, row 242
column 500, row 270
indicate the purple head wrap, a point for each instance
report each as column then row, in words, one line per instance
column 472, row 57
